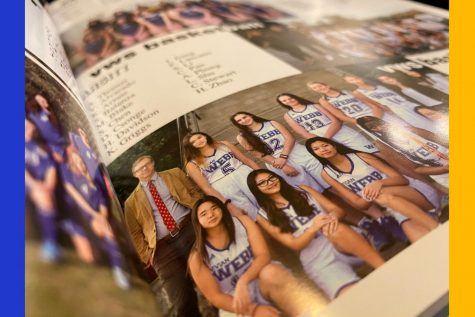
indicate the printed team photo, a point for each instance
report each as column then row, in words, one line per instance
column 226, row 158
column 303, row 171
column 336, row 40
column 91, row 41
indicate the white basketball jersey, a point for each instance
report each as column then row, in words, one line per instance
column 271, row 136
column 386, row 97
column 402, row 107
column 349, row 105
column 420, row 150
column 440, row 82
column 419, row 97
column 311, row 119
column 229, row 264
column 360, row 175
column 301, row 223
column 220, row 164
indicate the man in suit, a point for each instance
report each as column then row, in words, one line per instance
column 157, row 214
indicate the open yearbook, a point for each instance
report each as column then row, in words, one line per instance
column 221, row 158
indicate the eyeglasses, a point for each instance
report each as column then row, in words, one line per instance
column 271, row 179
column 142, row 168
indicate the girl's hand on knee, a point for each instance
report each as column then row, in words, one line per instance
column 241, row 298
column 320, row 221
column 372, row 190
column 331, row 226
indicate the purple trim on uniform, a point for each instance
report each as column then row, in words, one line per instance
column 328, row 97
column 214, row 153
column 352, row 165
column 263, row 123
column 345, row 285
column 215, row 248
column 298, row 111
column 229, row 244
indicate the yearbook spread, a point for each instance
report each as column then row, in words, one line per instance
column 234, row 158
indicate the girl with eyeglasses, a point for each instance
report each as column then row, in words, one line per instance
column 305, row 221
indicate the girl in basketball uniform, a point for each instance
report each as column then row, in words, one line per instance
column 305, row 221
column 127, row 30
column 347, row 107
column 38, row 112
column 97, row 42
column 88, row 203
column 40, row 185
column 362, row 180
column 270, row 142
column 230, row 264
column 439, row 116
column 309, row 119
column 391, row 100
column 192, row 15
column 155, row 20
column 220, row 170
column 431, row 157
column 409, row 92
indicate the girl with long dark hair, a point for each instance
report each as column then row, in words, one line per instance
column 39, row 112
column 345, row 105
column 363, row 180
column 309, row 119
column 348, row 107
column 270, row 142
column 431, row 157
column 220, row 170
column 41, row 181
column 230, row 264
column 305, row 221
column 87, row 203
column 98, row 42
